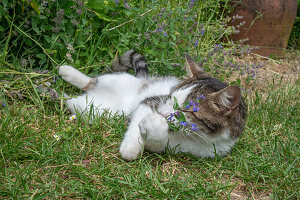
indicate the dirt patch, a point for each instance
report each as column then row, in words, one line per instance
column 278, row 72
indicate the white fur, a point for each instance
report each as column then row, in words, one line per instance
column 149, row 129
column 74, row 76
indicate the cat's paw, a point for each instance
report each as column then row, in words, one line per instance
column 67, row 72
column 154, row 127
column 130, row 149
column 73, row 76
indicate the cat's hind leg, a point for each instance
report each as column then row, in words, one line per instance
column 76, row 78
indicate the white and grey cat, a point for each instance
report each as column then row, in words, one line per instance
column 220, row 116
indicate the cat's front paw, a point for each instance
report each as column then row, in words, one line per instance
column 130, row 149
column 154, row 127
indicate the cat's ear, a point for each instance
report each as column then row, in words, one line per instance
column 192, row 68
column 226, row 100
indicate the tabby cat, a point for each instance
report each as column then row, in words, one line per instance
column 219, row 119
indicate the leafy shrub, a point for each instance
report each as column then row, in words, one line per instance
column 40, row 34
column 84, row 33
column 294, row 40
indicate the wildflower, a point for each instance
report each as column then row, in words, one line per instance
column 192, row 3
column 195, row 108
column 171, row 116
column 194, row 127
column 219, row 46
column 3, row 104
column 79, row 11
column 202, row 32
column 165, row 33
column 177, row 114
column 116, row 2
column 201, row 97
column 57, row 137
column 183, row 123
column 196, row 43
column 126, row 5
column 147, row 35
column 72, row 117
column 69, row 56
column 70, row 47
column 189, row 105
column 59, row 16
column 24, row 62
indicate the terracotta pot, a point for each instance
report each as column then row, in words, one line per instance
column 268, row 24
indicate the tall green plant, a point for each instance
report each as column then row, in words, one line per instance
column 43, row 34
column 294, row 40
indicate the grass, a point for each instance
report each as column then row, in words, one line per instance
column 85, row 162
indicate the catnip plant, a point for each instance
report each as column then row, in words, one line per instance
column 178, row 115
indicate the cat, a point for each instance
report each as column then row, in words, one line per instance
column 219, row 117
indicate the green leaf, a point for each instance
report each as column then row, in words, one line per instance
column 67, row 6
column 181, row 117
column 175, row 105
column 28, row 41
column 42, row 57
column 5, row 2
column 238, row 82
column 34, row 25
column 51, row 51
column 35, row 6
column 173, row 127
column 100, row 16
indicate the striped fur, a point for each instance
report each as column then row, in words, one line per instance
column 133, row 60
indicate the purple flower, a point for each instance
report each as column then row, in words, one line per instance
column 3, row 104
column 196, row 43
column 192, row 3
column 194, row 127
column 165, row 33
column 79, row 11
column 201, row 97
column 116, row 2
column 219, row 46
column 196, row 108
column 126, row 4
column 177, row 114
column 202, row 32
column 171, row 116
column 189, row 105
column 183, row 123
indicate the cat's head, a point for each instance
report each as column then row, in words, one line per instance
column 213, row 105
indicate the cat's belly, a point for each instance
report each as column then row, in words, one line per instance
column 97, row 104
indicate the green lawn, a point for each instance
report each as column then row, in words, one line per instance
column 36, row 37
column 85, row 162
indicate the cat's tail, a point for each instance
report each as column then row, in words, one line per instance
column 133, row 60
